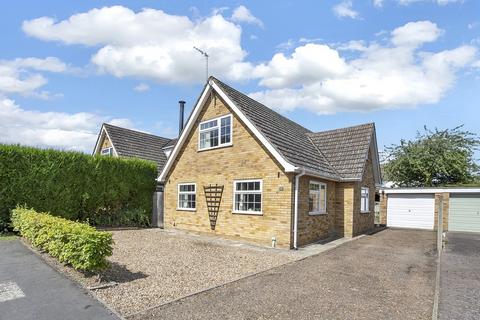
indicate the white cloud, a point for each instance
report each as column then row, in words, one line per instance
column 242, row 15
column 142, row 87
column 19, row 76
column 76, row 131
column 416, row 33
column 394, row 75
column 345, row 9
column 148, row 44
column 378, row 3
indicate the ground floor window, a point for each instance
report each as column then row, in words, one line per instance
column 187, row 196
column 317, row 198
column 247, row 196
column 364, row 199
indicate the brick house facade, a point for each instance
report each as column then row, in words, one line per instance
column 233, row 142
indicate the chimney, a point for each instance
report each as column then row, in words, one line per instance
column 181, row 103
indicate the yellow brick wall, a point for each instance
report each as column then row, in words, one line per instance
column 344, row 204
column 245, row 159
column 383, row 208
column 312, row 228
column 363, row 222
column 106, row 143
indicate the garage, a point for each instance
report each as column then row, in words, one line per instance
column 464, row 213
column 411, row 211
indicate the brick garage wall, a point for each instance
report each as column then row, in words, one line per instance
column 312, row 228
column 383, row 208
column 246, row 159
column 446, row 205
column 363, row 222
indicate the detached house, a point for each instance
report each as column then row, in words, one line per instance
column 121, row 142
column 241, row 170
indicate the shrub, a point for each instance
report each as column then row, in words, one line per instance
column 75, row 243
column 76, row 186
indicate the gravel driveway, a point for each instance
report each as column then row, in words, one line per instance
column 389, row 275
column 154, row 266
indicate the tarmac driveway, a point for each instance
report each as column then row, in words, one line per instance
column 460, row 277
column 31, row 289
column 389, row 275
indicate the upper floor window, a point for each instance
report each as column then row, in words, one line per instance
column 317, row 197
column 364, row 199
column 215, row 133
column 107, row 151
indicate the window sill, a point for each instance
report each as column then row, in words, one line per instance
column 365, row 212
column 186, row 209
column 250, row 213
column 217, row 147
column 317, row 213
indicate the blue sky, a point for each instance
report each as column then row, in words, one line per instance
column 65, row 67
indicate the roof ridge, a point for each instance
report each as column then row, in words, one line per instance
column 372, row 124
column 137, row 131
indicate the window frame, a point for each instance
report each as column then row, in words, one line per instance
column 186, row 192
column 235, row 192
column 321, row 211
column 367, row 210
column 110, row 151
column 219, row 128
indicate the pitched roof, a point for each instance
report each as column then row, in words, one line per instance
column 346, row 148
column 288, row 138
column 136, row 144
column 338, row 154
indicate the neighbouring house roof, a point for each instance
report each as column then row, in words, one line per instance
column 136, row 144
column 338, row 154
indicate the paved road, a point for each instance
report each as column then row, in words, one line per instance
column 460, row 278
column 31, row 289
column 389, row 275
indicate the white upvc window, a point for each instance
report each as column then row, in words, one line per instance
column 215, row 133
column 317, row 197
column 247, row 196
column 365, row 199
column 187, row 197
column 107, row 151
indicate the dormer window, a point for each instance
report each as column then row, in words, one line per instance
column 107, row 151
column 215, row 133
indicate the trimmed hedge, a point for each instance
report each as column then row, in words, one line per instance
column 77, row 244
column 98, row 189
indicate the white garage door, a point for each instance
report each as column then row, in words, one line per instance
column 411, row 211
column 464, row 212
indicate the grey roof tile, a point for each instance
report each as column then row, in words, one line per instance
column 346, row 148
column 339, row 153
column 135, row 144
column 288, row 138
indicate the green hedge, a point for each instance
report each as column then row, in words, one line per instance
column 102, row 190
column 77, row 244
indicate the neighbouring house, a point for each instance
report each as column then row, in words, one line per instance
column 418, row 208
column 121, row 142
column 241, row 170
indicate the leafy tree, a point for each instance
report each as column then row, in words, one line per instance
column 433, row 158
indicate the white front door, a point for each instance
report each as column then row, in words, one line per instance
column 411, row 211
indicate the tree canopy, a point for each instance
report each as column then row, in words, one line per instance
column 433, row 158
